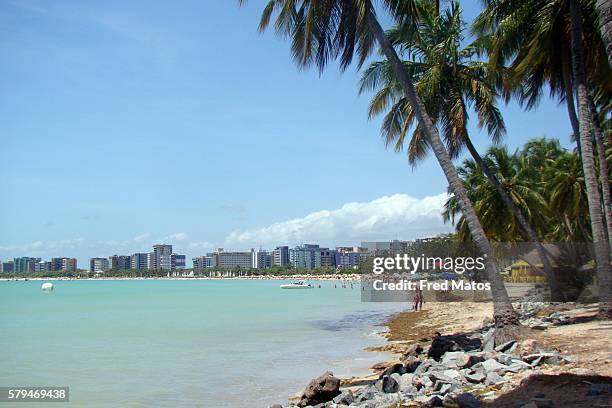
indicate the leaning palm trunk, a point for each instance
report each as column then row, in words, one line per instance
column 555, row 290
column 603, row 169
column 602, row 248
column 569, row 102
column 604, row 13
column 505, row 317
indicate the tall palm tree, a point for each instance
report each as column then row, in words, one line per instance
column 449, row 81
column 602, row 248
column 338, row 29
column 604, row 13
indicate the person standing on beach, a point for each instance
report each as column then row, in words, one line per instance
column 418, row 299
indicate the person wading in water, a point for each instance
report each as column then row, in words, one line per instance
column 418, row 299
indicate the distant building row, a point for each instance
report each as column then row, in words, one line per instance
column 26, row 264
column 306, row 256
column 162, row 257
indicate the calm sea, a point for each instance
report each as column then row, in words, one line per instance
column 182, row 343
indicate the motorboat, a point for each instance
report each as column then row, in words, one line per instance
column 297, row 285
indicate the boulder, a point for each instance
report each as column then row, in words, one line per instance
column 346, row 398
column 467, row 400
column 600, row 388
column 415, row 350
column 387, row 385
column 434, row 401
column 443, row 344
column 395, row 368
column 475, row 378
column 492, row 365
column 366, row 394
column 405, row 381
column 493, row 378
column 411, row 364
column 321, row 389
column 505, row 346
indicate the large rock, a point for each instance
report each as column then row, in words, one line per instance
column 388, row 385
column 492, row 365
column 461, row 359
column 346, row 398
column 321, row 389
column 475, row 378
column 395, row 368
column 467, row 400
column 443, row 344
column 493, row 378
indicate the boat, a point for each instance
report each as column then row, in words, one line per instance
column 296, row 285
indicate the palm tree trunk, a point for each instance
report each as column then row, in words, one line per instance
column 504, row 315
column 555, row 290
column 569, row 101
column 603, row 169
column 604, row 13
column 602, row 249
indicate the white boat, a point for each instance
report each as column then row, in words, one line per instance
column 47, row 287
column 296, row 285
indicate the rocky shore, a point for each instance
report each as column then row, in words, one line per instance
column 563, row 359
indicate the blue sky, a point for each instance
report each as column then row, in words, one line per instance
column 126, row 123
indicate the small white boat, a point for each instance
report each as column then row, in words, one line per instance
column 47, row 287
column 296, row 285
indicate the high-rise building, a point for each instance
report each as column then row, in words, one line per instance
column 44, row 266
column 139, row 261
column 25, row 264
column 262, row 259
column 120, row 262
column 226, row 259
column 63, row 264
column 7, row 267
column 162, row 257
column 98, row 265
column 280, row 256
column 204, row 262
column 178, row 261
column 349, row 257
column 306, row 256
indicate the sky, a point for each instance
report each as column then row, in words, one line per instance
column 129, row 123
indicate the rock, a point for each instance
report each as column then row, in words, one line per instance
column 518, row 366
column 600, row 388
column 488, row 340
column 414, row 350
column 276, row 406
column 506, row 359
column 321, row 389
column 366, row 394
column 382, row 365
column 346, row 398
column 442, row 388
column 443, row 344
column 405, row 381
column 438, row 376
column 493, row 378
column 411, row 364
column 434, row 401
column 395, row 368
column 452, row 374
column 388, row 385
column 475, row 378
column 505, row 346
column 425, row 381
column 542, row 402
column 467, row 400
column 492, row 365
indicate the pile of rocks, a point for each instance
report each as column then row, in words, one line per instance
column 451, row 370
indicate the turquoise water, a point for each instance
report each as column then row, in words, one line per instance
column 182, row 343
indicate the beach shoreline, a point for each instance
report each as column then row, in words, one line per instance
column 305, row 277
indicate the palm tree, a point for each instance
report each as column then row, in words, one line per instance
column 449, row 81
column 498, row 221
column 604, row 12
column 602, row 249
column 338, row 29
column 519, row 29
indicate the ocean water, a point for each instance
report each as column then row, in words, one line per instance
column 182, row 343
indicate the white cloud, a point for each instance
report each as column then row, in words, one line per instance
column 399, row 216
column 178, row 236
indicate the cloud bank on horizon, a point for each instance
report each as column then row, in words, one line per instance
column 398, row 216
